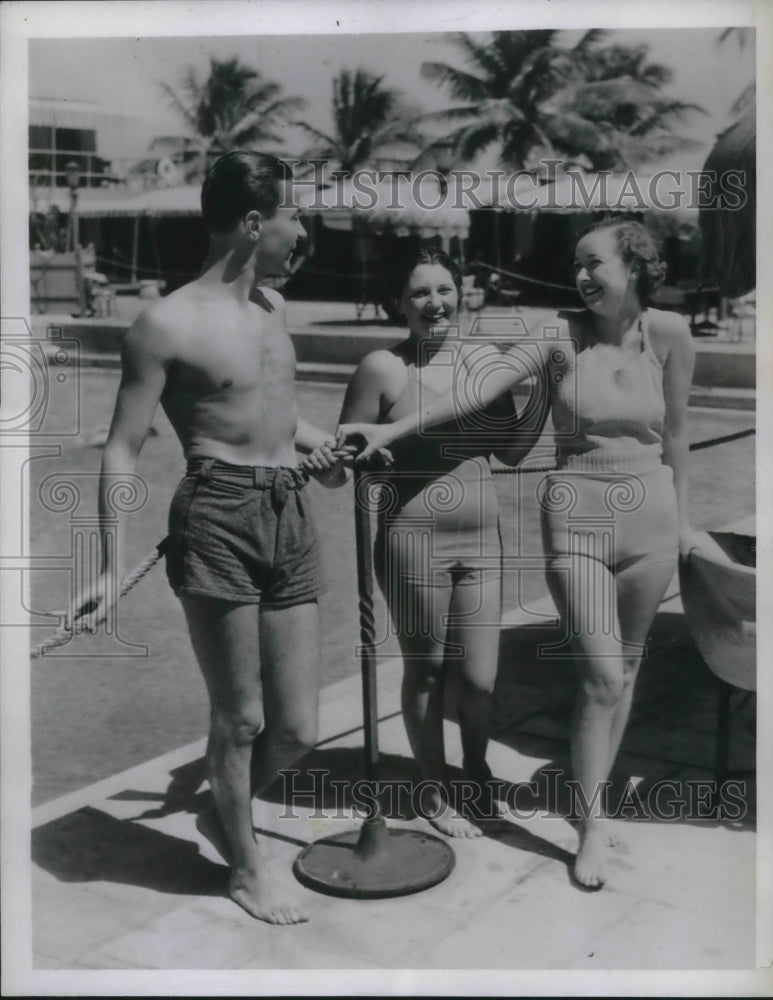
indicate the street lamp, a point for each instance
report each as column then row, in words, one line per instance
column 72, row 172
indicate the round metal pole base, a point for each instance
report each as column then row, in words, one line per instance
column 374, row 862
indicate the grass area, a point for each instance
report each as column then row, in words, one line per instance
column 113, row 701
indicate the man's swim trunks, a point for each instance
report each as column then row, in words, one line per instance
column 243, row 534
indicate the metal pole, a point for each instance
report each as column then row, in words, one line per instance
column 364, row 549
column 372, row 862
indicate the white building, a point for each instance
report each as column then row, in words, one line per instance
column 104, row 142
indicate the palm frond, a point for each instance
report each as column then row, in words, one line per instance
column 462, row 85
column 177, row 104
column 664, row 114
column 475, row 138
column 745, row 100
column 283, row 107
column 571, row 133
column 744, row 36
column 319, row 135
column 589, row 41
column 452, row 114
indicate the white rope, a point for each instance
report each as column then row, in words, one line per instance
column 63, row 635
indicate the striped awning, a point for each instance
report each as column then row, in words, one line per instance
column 111, row 202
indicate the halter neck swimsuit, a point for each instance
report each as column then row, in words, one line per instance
column 611, row 497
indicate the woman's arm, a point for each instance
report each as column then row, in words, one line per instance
column 677, row 379
column 485, row 374
column 362, row 401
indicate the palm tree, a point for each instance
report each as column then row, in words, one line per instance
column 613, row 61
column 506, row 94
column 618, row 91
column 633, row 124
column 595, row 105
column 234, row 108
column 367, row 116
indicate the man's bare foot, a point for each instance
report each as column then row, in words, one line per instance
column 448, row 821
column 257, row 893
column 589, row 867
column 208, row 824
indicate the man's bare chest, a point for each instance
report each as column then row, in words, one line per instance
column 236, row 360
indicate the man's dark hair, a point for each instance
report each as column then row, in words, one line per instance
column 239, row 182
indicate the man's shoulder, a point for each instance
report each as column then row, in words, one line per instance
column 270, row 300
column 274, row 296
column 159, row 327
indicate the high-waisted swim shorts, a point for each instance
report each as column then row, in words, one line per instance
column 616, row 518
column 441, row 526
column 243, row 534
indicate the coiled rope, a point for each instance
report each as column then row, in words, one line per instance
column 63, row 635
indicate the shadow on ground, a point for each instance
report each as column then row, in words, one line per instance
column 90, row 846
column 670, row 737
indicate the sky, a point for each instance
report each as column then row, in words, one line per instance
column 128, row 69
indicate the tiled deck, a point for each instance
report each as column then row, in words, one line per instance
column 123, row 881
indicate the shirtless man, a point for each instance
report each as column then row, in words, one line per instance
column 242, row 556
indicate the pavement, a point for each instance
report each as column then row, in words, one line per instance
column 121, row 879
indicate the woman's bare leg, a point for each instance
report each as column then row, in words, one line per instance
column 420, row 611
column 586, row 598
column 474, row 627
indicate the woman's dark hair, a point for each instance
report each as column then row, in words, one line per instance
column 637, row 246
column 239, row 182
column 404, row 265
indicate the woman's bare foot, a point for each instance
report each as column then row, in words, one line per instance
column 589, row 865
column 484, row 803
column 257, row 893
column 615, row 840
column 208, row 824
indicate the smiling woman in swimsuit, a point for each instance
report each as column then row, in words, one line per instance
column 438, row 549
column 615, row 511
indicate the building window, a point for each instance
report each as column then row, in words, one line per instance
column 51, row 149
